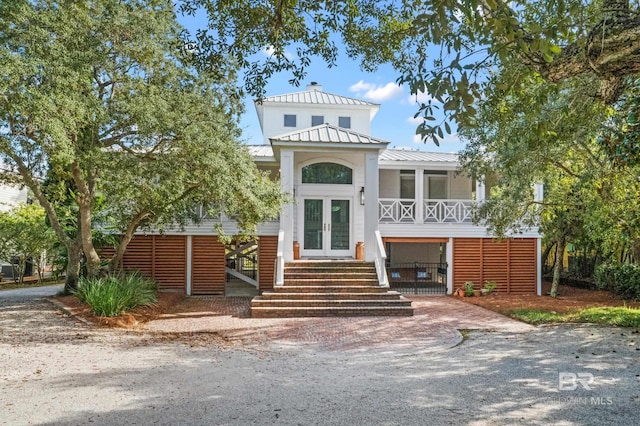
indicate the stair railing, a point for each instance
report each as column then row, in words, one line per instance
column 279, row 266
column 380, row 261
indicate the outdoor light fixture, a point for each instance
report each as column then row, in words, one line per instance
column 362, row 196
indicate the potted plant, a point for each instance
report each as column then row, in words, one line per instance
column 489, row 286
column 468, row 289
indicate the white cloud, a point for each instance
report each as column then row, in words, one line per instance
column 420, row 98
column 361, row 86
column 376, row 93
column 268, row 51
column 415, row 120
column 417, row 139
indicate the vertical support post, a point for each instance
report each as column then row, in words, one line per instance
column 189, row 262
column 480, row 189
column 539, row 266
column 449, row 259
column 419, row 196
column 371, row 191
column 287, row 180
column 538, row 196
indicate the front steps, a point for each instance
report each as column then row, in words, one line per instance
column 331, row 289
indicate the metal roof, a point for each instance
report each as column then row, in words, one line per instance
column 326, row 133
column 260, row 151
column 416, row 155
column 316, row 97
column 388, row 155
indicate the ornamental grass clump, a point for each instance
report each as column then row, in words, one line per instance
column 115, row 294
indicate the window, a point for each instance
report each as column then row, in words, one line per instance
column 289, row 120
column 344, row 122
column 408, row 184
column 327, row 173
column 437, row 187
column 317, row 120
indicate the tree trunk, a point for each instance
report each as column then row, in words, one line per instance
column 117, row 259
column 557, row 269
column 74, row 257
column 92, row 258
column 545, row 255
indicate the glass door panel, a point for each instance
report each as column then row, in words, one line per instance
column 313, row 224
column 340, row 224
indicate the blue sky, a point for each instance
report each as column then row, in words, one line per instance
column 394, row 121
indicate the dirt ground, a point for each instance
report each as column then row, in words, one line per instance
column 173, row 304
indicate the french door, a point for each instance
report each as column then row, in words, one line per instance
column 326, row 227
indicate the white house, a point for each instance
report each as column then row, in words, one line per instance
column 406, row 212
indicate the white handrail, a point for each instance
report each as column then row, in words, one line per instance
column 279, row 272
column 398, row 210
column 381, row 261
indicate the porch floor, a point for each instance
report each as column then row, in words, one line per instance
column 238, row 288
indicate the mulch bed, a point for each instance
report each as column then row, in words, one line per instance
column 570, row 298
column 166, row 303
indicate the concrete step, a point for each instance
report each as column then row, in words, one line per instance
column 330, row 296
column 354, row 311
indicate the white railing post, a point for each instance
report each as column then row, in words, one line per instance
column 279, row 273
column 380, row 261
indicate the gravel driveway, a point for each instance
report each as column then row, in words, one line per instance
column 55, row 370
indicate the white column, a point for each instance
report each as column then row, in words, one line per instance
column 189, row 257
column 539, row 266
column 480, row 189
column 450, row 266
column 371, row 191
column 287, row 180
column 538, row 196
column 538, row 192
column 419, row 196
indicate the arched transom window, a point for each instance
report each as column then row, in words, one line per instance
column 332, row 173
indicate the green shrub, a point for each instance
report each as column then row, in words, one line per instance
column 623, row 279
column 114, row 294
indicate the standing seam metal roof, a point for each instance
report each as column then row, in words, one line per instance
column 316, row 97
column 415, row 155
column 328, row 134
column 391, row 155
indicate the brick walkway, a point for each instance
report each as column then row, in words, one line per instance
column 433, row 327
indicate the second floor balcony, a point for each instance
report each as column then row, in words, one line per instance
column 404, row 211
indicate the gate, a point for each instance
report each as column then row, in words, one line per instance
column 418, row 277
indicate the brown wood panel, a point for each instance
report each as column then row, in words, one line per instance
column 267, row 253
column 510, row 263
column 207, row 265
column 170, row 262
column 138, row 256
column 523, row 265
column 467, row 261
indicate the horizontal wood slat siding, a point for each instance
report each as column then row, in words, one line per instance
column 170, row 262
column 138, row 256
column 510, row 263
column 208, row 274
column 267, row 253
column 467, row 259
column 161, row 257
